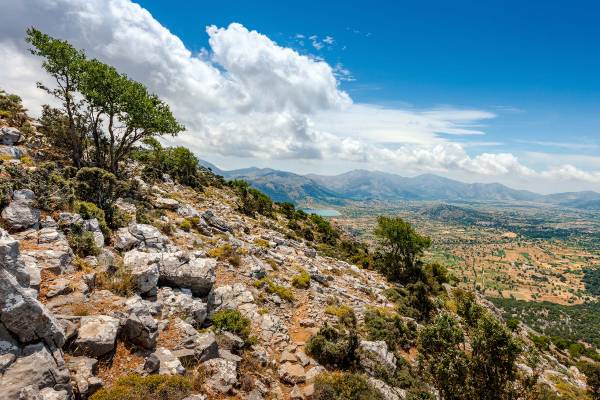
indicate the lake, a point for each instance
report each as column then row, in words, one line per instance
column 323, row 212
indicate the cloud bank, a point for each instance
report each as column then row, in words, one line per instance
column 247, row 96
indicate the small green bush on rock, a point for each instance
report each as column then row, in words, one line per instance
column 344, row 386
column 232, row 321
column 152, row 387
column 333, row 347
column 302, row 280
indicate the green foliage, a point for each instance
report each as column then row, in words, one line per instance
column 151, row 387
column 487, row 371
column 327, row 234
column 390, row 328
column 400, row 247
column 100, row 187
column 100, row 106
column 89, row 210
column 12, row 111
column 53, row 191
column 177, row 162
column 344, row 386
column 186, row 225
column 117, row 280
column 345, row 314
column 302, row 280
column 83, row 244
column 334, row 347
column 592, row 374
column 251, row 200
column 541, row 342
column 591, row 280
column 232, row 321
column 271, row 287
column 576, row 322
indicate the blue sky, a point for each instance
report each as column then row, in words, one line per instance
column 504, row 91
column 536, row 64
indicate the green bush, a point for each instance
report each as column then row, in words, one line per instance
column 83, row 244
column 333, row 347
column 302, row 280
column 185, row 225
column 344, row 386
column 251, row 200
column 53, row 191
column 232, row 321
column 151, row 387
column 100, row 187
column 541, row 342
column 271, row 287
column 89, row 210
column 390, row 328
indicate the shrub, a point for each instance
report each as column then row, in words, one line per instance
column 333, row 347
column 345, row 314
column 344, row 386
column 390, row 328
column 185, row 225
column 100, row 187
column 83, row 244
column 302, row 280
column 232, row 321
column 53, row 191
column 119, row 281
column 541, row 342
column 273, row 288
column 151, row 387
column 89, row 210
column 261, row 243
column 252, row 201
column 512, row 324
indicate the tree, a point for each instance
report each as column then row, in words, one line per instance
column 446, row 364
column 400, row 248
column 100, row 103
column 64, row 63
column 132, row 113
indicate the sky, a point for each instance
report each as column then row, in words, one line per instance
column 494, row 91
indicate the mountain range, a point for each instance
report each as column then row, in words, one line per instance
column 361, row 185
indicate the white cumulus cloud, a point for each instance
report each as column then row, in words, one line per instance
column 247, row 96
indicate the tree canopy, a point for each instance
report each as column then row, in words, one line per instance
column 102, row 108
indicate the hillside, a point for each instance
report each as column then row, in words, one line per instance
column 130, row 271
column 206, row 288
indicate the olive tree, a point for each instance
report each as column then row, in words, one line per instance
column 400, row 247
column 117, row 111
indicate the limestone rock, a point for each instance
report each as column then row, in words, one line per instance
column 9, row 136
column 166, row 203
column 96, row 335
column 204, row 345
column 215, row 222
column 144, row 267
column 291, row 373
column 141, row 330
column 229, row 297
column 20, row 213
column 163, row 362
column 388, row 392
column 38, row 368
column 181, row 303
column 10, row 259
column 24, row 316
column 82, row 375
column 221, row 374
column 374, row 357
column 191, row 271
column 93, row 226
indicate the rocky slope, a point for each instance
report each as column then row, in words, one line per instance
column 145, row 303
